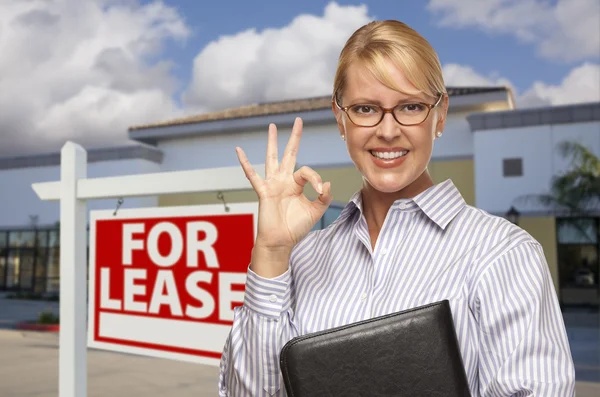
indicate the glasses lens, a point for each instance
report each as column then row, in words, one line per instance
column 411, row 113
column 365, row 115
column 371, row 115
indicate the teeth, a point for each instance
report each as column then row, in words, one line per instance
column 389, row 155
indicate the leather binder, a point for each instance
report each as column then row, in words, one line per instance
column 412, row 353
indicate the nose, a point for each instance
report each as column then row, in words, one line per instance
column 388, row 129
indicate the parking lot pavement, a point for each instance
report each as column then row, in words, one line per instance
column 29, row 367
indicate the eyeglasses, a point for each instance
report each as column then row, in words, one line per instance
column 407, row 114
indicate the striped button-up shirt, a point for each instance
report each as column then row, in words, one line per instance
column 432, row 247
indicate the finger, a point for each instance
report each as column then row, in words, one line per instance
column 320, row 205
column 272, row 162
column 326, row 197
column 251, row 174
column 306, row 174
column 291, row 150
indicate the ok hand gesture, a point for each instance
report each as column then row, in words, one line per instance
column 285, row 215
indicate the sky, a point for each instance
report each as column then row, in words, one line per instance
column 86, row 70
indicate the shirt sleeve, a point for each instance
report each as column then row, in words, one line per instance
column 523, row 344
column 261, row 326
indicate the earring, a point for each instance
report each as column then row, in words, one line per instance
column 343, row 137
column 439, row 134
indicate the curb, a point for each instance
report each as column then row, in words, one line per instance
column 29, row 326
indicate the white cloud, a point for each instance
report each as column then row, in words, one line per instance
column 566, row 30
column 73, row 69
column 582, row 84
column 456, row 75
column 297, row 60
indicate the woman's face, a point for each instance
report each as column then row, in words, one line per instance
column 408, row 174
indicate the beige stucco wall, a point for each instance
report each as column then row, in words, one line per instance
column 206, row 198
column 344, row 182
column 543, row 229
column 461, row 172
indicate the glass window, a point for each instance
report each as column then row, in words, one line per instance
column 42, row 238
column 577, row 231
column 54, row 240
column 3, row 238
column 2, row 267
column 12, row 265
column 53, row 270
column 21, row 238
column 26, row 258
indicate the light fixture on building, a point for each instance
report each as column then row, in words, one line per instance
column 513, row 215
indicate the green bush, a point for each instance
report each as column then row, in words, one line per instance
column 48, row 318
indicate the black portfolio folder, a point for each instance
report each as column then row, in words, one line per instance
column 409, row 353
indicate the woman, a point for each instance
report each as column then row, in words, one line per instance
column 402, row 241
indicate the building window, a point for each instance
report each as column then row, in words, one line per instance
column 29, row 260
column 578, row 261
column 512, row 167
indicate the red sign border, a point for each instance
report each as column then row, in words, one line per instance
column 144, row 348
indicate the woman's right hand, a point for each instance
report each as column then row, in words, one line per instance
column 285, row 215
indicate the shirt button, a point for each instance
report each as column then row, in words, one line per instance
column 273, row 298
column 402, row 206
column 363, row 297
column 383, row 251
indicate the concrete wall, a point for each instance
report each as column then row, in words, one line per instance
column 536, row 145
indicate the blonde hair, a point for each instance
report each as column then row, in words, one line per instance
column 394, row 40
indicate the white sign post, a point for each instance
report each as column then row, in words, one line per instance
column 73, row 190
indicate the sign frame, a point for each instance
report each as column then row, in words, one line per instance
column 150, row 213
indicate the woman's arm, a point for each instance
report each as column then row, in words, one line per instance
column 523, row 345
column 250, row 360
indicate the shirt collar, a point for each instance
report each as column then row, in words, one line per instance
column 441, row 203
column 353, row 204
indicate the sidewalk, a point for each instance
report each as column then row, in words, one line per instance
column 29, row 367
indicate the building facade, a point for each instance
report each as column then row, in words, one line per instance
column 493, row 153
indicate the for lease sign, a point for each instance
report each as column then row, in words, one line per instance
column 163, row 282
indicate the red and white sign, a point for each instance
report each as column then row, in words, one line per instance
column 163, row 282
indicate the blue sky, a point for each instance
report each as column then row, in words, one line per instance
column 87, row 70
column 487, row 53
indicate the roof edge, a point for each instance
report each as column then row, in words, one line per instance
column 528, row 117
column 125, row 152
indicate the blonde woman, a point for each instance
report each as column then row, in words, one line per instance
column 401, row 241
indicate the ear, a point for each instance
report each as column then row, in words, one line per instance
column 338, row 117
column 442, row 113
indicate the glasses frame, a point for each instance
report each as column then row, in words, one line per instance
column 387, row 110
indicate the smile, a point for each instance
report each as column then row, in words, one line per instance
column 388, row 155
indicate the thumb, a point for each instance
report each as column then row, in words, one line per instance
column 320, row 205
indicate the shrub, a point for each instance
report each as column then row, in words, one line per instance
column 48, row 318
